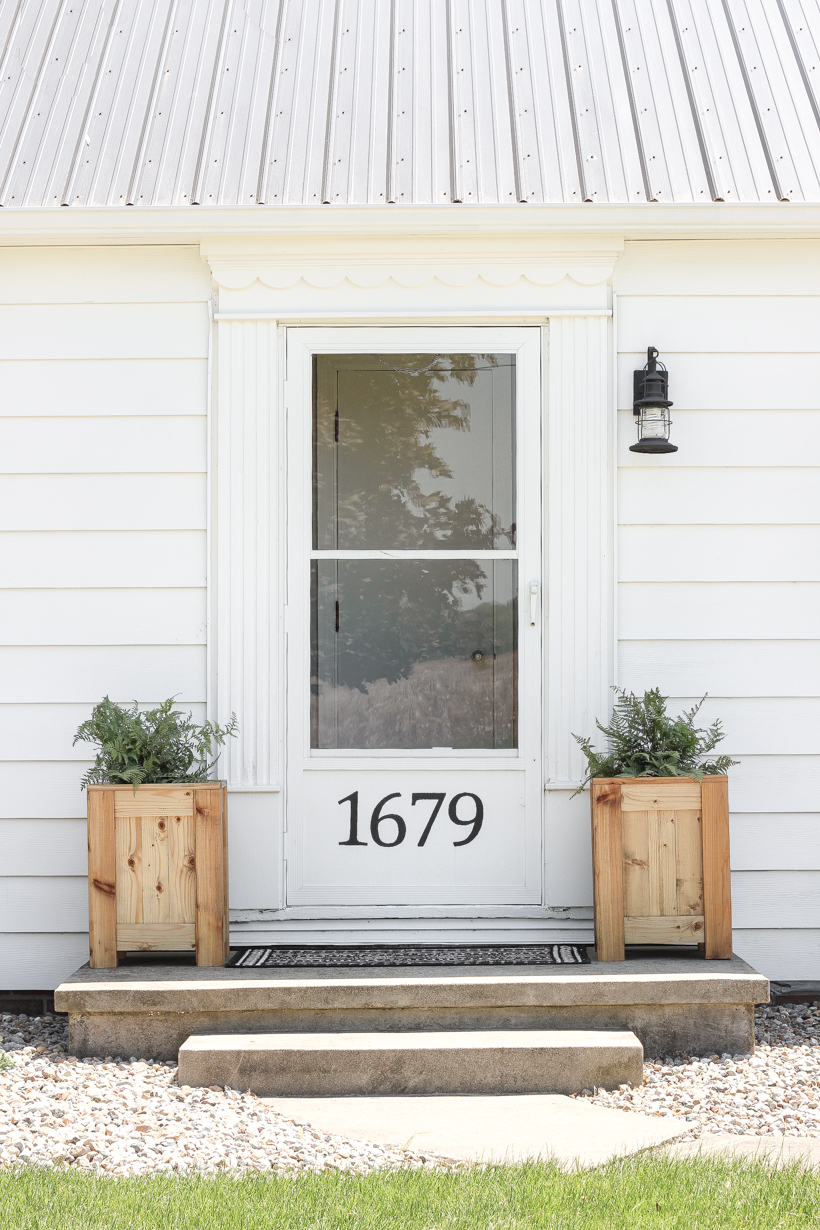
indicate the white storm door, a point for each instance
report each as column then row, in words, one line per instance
column 414, row 617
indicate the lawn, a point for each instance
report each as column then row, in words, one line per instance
column 646, row 1191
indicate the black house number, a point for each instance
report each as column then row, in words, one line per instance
column 387, row 828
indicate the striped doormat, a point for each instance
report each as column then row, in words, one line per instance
column 309, row 957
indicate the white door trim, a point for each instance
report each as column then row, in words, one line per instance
column 579, row 537
column 246, row 595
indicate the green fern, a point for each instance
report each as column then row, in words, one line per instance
column 158, row 745
column 643, row 741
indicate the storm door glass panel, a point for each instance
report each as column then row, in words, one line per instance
column 414, row 452
column 414, row 575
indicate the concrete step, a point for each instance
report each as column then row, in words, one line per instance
column 454, row 1062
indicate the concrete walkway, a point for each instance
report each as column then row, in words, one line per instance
column 488, row 1129
column 779, row 1150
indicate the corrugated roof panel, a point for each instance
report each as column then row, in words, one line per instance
column 622, row 164
column 142, row 108
column 311, row 65
column 786, row 116
column 229, row 171
column 737, row 110
column 465, row 102
column 801, row 24
column 103, row 141
column 170, row 132
column 280, row 106
column 39, row 119
column 359, row 88
column 540, row 28
column 179, row 102
column 25, row 39
column 526, row 148
column 669, row 123
column 646, row 74
column 586, row 128
column 355, row 154
column 485, row 102
column 421, row 141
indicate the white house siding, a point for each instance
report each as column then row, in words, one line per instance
column 103, row 400
column 719, row 550
column 103, row 397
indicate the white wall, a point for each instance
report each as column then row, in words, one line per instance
column 103, row 398
column 719, row 551
column 103, row 375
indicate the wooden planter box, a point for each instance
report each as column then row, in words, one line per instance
column 660, row 864
column 158, row 871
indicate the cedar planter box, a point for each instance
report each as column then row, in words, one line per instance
column 158, row 871
column 660, row 864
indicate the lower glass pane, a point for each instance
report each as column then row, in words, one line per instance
column 414, row 654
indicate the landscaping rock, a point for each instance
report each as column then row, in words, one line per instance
column 127, row 1115
column 775, row 1092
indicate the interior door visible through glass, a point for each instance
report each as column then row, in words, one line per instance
column 414, row 572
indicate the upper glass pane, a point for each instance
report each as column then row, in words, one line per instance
column 414, row 452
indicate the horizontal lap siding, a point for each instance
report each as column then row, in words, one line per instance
column 40, row 960
column 50, row 729
column 44, row 847
column 104, row 388
column 103, row 392
column 722, row 553
column 145, row 559
column 103, row 501
column 719, row 551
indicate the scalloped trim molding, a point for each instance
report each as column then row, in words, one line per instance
column 240, row 273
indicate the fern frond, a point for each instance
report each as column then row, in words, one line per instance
column 158, row 745
column 644, row 741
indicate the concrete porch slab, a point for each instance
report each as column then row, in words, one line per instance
column 674, row 1002
column 510, row 1128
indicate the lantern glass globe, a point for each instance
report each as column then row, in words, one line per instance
column 653, row 424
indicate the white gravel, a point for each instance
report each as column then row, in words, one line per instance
column 775, row 1092
column 128, row 1117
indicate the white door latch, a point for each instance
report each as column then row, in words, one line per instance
column 533, row 601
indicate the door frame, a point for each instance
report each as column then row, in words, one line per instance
column 302, row 343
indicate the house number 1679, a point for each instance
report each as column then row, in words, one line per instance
column 388, row 824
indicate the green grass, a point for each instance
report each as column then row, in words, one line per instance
column 656, row 1192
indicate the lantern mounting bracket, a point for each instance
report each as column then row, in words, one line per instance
column 658, row 371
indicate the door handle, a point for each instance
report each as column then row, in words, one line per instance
column 533, row 601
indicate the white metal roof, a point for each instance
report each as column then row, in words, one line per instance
column 304, row 102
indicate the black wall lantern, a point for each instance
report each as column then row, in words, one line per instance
column 650, row 405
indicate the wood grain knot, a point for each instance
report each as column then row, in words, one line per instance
column 160, row 888
column 103, row 886
column 161, row 826
column 612, row 794
column 132, row 862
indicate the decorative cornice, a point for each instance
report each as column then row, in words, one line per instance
column 237, row 273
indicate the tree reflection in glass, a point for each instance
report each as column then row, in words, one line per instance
column 420, row 458
column 414, row 453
